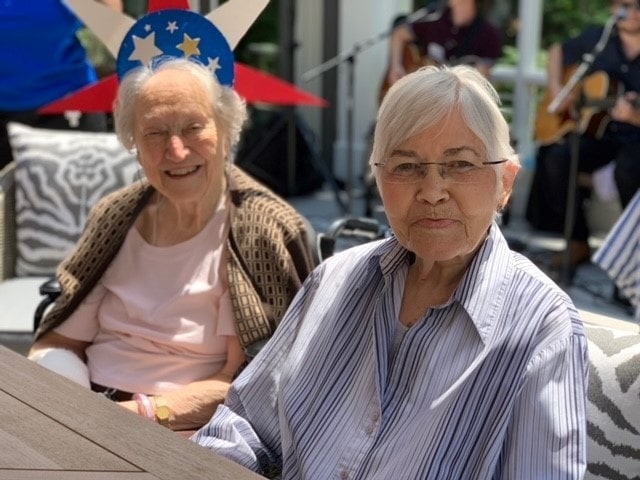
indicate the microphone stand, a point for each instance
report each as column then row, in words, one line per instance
column 574, row 146
column 349, row 57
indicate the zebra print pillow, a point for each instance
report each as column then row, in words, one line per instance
column 613, row 404
column 59, row 176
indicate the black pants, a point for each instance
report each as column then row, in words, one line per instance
column 93, row 122
column 548, row 196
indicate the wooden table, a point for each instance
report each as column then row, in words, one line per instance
column 52, row 428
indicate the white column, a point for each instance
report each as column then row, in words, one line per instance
column 528, row 79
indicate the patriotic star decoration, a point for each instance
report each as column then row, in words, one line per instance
column 171, row 29
column 176, row 33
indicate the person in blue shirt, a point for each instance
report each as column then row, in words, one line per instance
column 42, row 60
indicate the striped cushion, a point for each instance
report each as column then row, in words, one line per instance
column 59, row 176
column 613, row 404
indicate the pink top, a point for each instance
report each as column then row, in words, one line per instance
column 159, row 317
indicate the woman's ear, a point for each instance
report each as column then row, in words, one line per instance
column 509, row 175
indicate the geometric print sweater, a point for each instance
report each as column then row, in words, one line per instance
column 270, row 251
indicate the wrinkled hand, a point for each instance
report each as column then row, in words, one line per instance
column 625, row 109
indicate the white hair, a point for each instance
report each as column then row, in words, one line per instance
column 423, row 98
column 229, row 109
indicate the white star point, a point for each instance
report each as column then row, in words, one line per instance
column 145, row 49
column 214, row 64
column 172, row 26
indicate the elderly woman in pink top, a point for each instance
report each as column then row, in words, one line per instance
column 177, row 277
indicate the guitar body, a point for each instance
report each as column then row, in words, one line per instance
column 598, row 94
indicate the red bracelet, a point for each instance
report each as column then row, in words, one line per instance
column 145, row 407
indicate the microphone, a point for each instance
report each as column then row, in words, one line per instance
column 587, row 60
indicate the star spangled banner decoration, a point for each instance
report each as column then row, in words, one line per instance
column 170, row 28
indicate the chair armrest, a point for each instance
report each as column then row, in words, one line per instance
column 50, row 290
column 8, row 247
column 357, row 229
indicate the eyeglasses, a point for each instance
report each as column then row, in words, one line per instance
column 402, row 170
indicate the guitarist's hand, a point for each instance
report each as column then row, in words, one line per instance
column 626, row 109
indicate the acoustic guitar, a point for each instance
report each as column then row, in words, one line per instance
column 599, row 93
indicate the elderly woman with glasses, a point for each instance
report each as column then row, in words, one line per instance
column 435, row 353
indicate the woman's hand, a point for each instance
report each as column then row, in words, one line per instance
column 193, row 405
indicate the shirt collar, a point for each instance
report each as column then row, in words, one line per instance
column 482, row 288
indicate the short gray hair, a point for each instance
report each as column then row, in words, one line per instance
column 229, row 109
column 425, row 97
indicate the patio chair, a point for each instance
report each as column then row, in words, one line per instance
column 45, row 197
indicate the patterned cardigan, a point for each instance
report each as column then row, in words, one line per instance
column 269, row 254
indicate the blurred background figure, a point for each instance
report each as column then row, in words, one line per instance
column 457, row 35
column 609, row 128
column 42, row 60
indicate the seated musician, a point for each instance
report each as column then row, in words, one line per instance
column 614, row 137
column 459, row 34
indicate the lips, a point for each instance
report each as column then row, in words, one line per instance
column 182, row 172
column 436, row 222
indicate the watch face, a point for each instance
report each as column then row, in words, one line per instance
column 163, row 414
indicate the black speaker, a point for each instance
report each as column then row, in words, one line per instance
column 265, row 153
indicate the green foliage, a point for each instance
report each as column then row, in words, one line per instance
column 135, row 8
column 567, row 18
column 100, row 57
column 259, row 47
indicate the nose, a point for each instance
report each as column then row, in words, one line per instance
column 177, row 149
column 433, row 188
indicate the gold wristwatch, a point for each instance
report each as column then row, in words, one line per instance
column 163, row 413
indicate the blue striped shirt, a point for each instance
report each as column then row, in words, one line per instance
column 491, row 384
column 619, row 254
